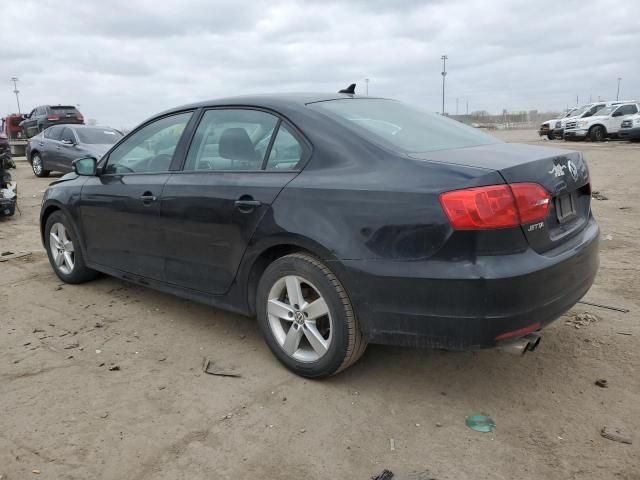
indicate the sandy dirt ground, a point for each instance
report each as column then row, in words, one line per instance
column 65, row 415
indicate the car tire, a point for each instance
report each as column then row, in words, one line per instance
column 317, row 335
column 64, row 252
column 550, row 136
column 597, row 133
column 37, row 166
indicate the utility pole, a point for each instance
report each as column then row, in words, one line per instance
column 366, row 83
column 618, row 93
column 16, row 91
column 444, row 74
column 456, row 105
column 467, row 105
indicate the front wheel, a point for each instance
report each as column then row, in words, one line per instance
column 597, row 133
column 550, row 136
column 63, row 250
column 306, row 317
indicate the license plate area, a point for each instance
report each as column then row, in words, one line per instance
column 565, row 207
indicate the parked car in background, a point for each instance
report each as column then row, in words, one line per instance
column 58, row 146
column 584, row 111
column 605, row 123
column 630, row 128
column 44, row 116
column 337, row 220
column 547, row 128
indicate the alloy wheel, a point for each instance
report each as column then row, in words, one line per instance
column 61, row 248
column 299, row 318
column 36, row 164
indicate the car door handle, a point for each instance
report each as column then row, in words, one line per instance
column 246, row 203
column 148, row 197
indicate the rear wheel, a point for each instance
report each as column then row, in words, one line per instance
column 306, row 317
column 64, row 250
column 38, row 167
column 597, row 133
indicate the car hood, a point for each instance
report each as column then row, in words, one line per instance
column 96, row 150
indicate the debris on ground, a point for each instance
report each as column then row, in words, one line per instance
column 211, row 368
column 615, row 434
column 392, row 444
column 596, row 195
column 114, row 368
column 581, row 320
column 36, row 471
column 72, row 345
column 608, row 307
column 602, row 383
column 480, row 423
column 6, row 256
column 384, row 475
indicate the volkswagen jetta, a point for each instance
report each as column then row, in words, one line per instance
column 337, row 220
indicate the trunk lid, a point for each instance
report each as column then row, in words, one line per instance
column 563, row 173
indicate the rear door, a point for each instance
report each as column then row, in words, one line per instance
column 120, row 208
column 619, row 115
column 50, row 147
column 238, row 162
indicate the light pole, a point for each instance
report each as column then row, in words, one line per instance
column 618, row 92
column 366, row 83
column 444, row 74
column 16, row 91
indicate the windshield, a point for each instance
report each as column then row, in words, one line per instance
column 570, row 113
column 579, row 111
column 104, row 136
column 402, row 126
column 606, row 110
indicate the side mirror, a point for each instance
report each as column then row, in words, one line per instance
column 86, row 166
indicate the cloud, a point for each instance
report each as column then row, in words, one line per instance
column 123, row 61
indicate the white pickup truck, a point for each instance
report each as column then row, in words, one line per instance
column 605, row 123
column 546, row 128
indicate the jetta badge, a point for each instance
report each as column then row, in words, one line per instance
column 558, row 170
column 573, row 170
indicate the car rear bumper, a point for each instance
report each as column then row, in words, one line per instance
column 629, row 133
column 463, row 304
column 571, row 134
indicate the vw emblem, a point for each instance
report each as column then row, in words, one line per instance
column 299, row 317
column 573, row 170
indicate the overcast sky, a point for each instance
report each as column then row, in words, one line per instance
column 124, row 60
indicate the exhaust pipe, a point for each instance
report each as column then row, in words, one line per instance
column 528, row 343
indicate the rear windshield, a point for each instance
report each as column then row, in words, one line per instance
column 401, row 126
column 60, row 109
column 98, row 135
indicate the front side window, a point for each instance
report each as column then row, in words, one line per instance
column 53, row 133
column 149, row 149
column 67, row 135
column 231, row 139
column 401, row 126
column 286, row 151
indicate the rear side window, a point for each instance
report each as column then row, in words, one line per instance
column 286, row 151
column 231, row 139
column 402, row 127
column 627, row 110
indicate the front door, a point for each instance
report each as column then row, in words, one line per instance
column 238, row 162
column 120, row 208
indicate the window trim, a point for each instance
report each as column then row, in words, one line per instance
column 104, row 161
column 305, row 156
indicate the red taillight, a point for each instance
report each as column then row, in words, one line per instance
column 53, row 117
column 532, row 201
column 79, row 116
column 495, row 206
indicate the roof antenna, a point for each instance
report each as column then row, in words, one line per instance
column 351, row 89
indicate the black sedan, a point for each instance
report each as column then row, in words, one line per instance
column 58, row 146
column 338, row 221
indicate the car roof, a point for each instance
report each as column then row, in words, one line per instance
column 269, row 100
